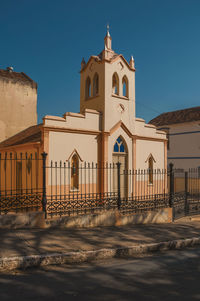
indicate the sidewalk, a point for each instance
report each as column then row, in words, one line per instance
column 57, row 240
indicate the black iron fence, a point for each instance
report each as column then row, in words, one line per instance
column 185, row 191
column 20, row 182
column 27, row 183
column 92, row 187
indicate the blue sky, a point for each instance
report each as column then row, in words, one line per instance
column 47, row 39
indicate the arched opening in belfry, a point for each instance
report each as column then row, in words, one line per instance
column 95, row 85
column 125, row 86
column 88, row 88
column 115, row 84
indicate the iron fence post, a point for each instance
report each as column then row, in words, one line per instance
column 171, row 185
column 44, row 194
column 186, row 192
column 118, row 185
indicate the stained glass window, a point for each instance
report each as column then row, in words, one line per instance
column 122, row 148
column 119, row 146
column 116, row 148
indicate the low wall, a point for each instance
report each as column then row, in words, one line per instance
column 108, row 218
column 112, row 218
column 22, row 220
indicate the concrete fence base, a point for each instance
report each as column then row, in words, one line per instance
column 107, row 218
column 22, row 220
column 112, row 218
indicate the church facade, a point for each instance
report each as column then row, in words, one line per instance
column 106, row 130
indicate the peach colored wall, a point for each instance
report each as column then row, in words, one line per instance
column 148, row 130
column 31, row 171
column 141, row 188
column 65, row 190
column 18, row 103
column 62, row 144
column 87, row 121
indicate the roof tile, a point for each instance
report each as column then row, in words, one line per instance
column 179, row 116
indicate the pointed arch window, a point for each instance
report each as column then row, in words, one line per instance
column 88, row 88
column 125, row 86
column 119, row 146
column 95, row 85
column 74, row 172
column 115, row 84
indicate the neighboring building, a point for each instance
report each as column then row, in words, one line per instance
column 18, row 102
column 183, row 132
column 106, row 129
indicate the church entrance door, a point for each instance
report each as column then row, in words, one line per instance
column 120, row 155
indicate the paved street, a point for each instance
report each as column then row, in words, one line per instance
column 41, row 241
column 169, row 276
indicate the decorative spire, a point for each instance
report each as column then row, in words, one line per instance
column 108, row 28
column 83, row 63
column 132, row 62
column 107, row 40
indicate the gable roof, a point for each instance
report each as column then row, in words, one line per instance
column 31, row 134
column 123, row 126
column 17, row 76
column 179, row 116
column 113, row 56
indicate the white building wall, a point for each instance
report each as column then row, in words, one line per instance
column 184, row 145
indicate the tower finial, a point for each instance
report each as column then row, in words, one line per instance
column 83, row 63
column 107, row 39
column 132, row 62
column 108, row 28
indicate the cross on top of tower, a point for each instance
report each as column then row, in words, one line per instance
column 107, row 39
column 108, row 28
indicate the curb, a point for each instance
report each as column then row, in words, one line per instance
column 24, row 262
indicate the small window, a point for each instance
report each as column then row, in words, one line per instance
column 125, row 86
column 74, row 172
column 115, row 84
column 95, row 85
column 150, row 169
column 88, row 88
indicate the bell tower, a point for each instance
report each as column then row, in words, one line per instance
column 108, row 86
